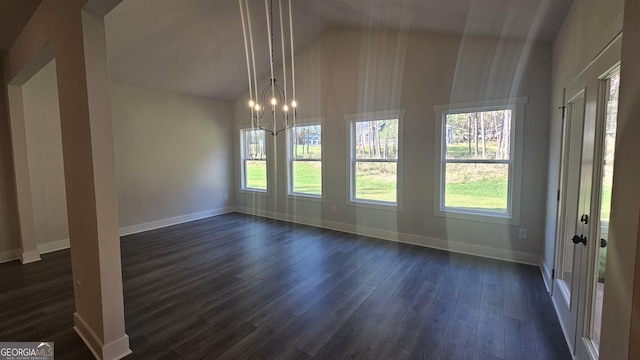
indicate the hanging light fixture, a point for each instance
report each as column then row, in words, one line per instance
column 273, row 99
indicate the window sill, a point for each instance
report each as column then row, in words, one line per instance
column 371, row 204
column 462, row 214
column 254, row 192
column 305, row 197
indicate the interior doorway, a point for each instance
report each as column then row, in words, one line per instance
column 36, row 141
column 44, row 154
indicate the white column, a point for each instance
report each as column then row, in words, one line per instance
column 89, row 167
column 28, row 245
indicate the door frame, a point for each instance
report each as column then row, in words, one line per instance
column 593, row 77
column 587, row 350
column 565, row 296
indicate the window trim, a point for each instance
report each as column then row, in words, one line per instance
column 243, row 159
column 512, row 217
column 304, row 196
column 351, row 120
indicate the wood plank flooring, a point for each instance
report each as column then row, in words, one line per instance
column 242, row 287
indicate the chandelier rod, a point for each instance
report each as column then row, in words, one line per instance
column 279, row 95
column 284, row 62
column 293, row 64
column 246, row 50
column 268, row 6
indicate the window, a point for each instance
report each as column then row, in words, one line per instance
column 478, row 174
column 254, row 160
column 305, row 160
column 375, row 149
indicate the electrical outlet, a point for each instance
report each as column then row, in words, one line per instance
column 522, row 233
column 333, row 209
column 226, row 197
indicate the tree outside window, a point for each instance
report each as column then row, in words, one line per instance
column 477, row 160
column 305, row 160
column 254, row 160
column 478, row 175
column 375, row 153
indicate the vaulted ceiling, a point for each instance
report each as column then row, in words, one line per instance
column 195, row 47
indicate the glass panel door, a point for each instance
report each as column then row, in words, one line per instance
column 579, row 274
column 570, row 254
column 608, row 152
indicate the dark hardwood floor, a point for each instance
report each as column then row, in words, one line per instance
column 242, row 287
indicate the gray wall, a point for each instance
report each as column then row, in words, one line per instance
column 173, row 155
column 351, row 71
column 44, row 151
column 173, row 159
column 9, row 226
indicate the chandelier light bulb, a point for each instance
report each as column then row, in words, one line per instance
column 273, row 94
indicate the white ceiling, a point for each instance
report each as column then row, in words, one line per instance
column 195, row 46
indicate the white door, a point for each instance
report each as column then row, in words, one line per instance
column 606, row 125
column 575, row 290
column 571, row 255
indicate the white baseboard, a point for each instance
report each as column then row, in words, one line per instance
column 448, row 245
column 53, row 246
column 9, row 255
column 16, row 254
column 115, row 350
column 30, row 256
column 546, row 276
column 562, row 326
column 133, row 229
column 34, row 255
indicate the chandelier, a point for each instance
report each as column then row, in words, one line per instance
column 273, row 98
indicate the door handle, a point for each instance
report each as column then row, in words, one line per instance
column 603, row 243
column 577, row 239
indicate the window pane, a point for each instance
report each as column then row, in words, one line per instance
column 479, row 135
column 608, row 155
column 307, row 177
column 376, row 181
column 477, row 186
column 254, row 144
column 305, row 154
column 306, row 142
column 377, row 139
column 256, row 173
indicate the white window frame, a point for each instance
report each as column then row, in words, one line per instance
column 512, row 215
column 352, row 160
column 291, row 159
column 244, row 159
